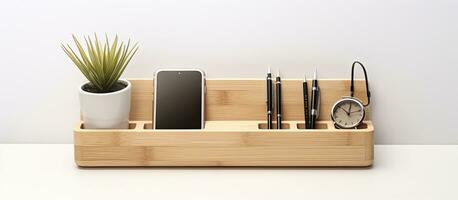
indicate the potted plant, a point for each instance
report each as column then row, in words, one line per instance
column 105, row 99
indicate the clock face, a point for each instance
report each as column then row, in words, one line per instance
column 348, row 113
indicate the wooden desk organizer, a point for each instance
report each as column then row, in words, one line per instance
column 235, row 131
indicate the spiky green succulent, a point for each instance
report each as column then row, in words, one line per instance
column 101, row 64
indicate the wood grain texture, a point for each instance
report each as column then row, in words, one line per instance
column 141, row 107
column 234, row 133
column 240, row 99
column 225, row 143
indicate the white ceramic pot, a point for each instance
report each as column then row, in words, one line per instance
column 106, row 110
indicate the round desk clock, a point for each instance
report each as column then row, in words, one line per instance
column 349, row 112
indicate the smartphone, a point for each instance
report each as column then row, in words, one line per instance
column 179, row 99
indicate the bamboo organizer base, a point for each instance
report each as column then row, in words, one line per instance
column 234, row 133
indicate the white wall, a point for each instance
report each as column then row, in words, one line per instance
column 410, row 48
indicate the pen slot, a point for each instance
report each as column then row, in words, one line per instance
column 131, row 126
column 148, row 125
column 362, row 126
column 263, row 126
column 318, row 125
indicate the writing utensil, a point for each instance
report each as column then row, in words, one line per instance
column 270, row 104
column 278, row 100
column 315, row 101
column 306, row 103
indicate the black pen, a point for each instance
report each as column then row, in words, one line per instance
column 270, row 105
column 306, row 103
column 278, row 100
column 315, row 101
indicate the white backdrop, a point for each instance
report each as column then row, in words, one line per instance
column 410, row 48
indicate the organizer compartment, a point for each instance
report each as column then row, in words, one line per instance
column 318, row 125
column 234, row 133
column 264, row 125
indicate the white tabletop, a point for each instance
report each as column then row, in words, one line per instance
column 29, row 171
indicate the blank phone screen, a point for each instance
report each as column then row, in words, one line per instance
column 178, row 100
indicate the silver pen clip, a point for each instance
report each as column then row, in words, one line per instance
column 319, row 102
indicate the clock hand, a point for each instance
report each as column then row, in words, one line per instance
column 349, row 110
column 356, row 111
column 344, row 110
